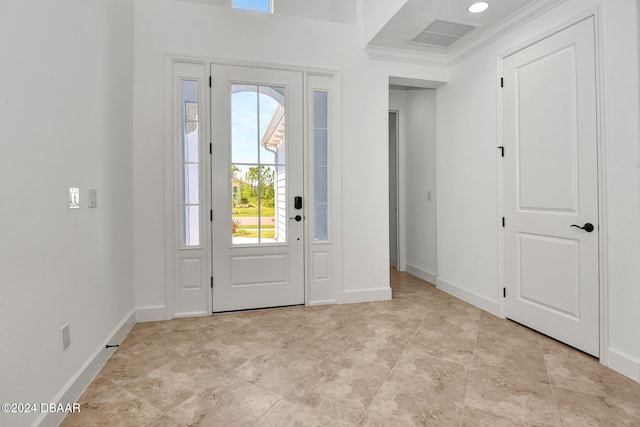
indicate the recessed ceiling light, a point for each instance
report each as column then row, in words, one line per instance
column 478, row 7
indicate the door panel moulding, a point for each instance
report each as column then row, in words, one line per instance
column 596, row 14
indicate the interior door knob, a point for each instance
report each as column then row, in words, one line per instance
column 588, row 227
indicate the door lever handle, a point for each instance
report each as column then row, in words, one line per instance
column 297, row 218
column 588, row 227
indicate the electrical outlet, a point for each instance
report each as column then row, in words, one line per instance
column 66, row 337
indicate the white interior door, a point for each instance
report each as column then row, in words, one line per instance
column 258, row 241
column 550, row 183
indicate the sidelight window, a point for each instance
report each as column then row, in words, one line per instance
column 320, row 165
column 190, row 162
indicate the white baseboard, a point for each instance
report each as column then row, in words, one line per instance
column 624, row 363
column 191, row 314
column 472, row 298
column 322, row 302
column 422, row 274
column 81, row 379
column 151, row 313
column 366, row 295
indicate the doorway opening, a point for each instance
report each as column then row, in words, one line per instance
column 412, row 177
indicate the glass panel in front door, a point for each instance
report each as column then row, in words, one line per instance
column 258, row 164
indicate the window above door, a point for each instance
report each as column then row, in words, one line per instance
column 264, row 6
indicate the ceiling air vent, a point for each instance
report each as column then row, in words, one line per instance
column 442, row 33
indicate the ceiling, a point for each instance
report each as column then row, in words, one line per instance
column 416, row 15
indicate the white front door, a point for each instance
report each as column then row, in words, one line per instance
column 551, row 187
column 258, row 240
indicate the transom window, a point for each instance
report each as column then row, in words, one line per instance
column 263, row 6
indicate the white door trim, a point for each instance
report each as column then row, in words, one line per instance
column 401, row 263
column 402, row 194
column 171, row 190
column 167, row 310
column 601, row 144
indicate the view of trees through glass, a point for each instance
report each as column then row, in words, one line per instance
column 258, row 184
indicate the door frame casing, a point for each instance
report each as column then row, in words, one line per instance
column 401, row 181
column 401, row 264
column 171, row 190
column 596, row 14
column 167, row 311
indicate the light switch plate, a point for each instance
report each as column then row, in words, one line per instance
column 66, row 337
column 93, row 198
column 74, row 198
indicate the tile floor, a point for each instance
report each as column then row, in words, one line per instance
column 422, row 359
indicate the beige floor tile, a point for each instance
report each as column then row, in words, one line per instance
column 454, row 347
column 513, row 397
column 572, row 369
column 431, row 376
column 320, row 343
column 458, row 322
column 424, row 358
column 129, row 362
column 240, row 404
column 343, row 392
column 499, row 353
column 286, row 413
column 279, row 372
column 474, row 417
column 164, row 421
column 583, row 410
column 171, row 384
column 120, row 408
column 101, row 389
column 397, row 405
column 492, row 328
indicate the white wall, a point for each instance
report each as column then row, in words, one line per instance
column 420, row 177
column 418, row 171
column 65, row 120
column 165, row 27
column 376, row 15
column 468, row 183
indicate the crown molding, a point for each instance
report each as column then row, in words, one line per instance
column 407, row 56
column 459, row 52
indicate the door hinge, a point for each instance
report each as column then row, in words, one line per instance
column 504, row 292
column 501, row 148
column 501, row 81
column 210, row 148
column 503, row 222
column 211, row 215
column 211, row 282
column 210, row 81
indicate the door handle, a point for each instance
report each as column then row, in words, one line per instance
column 588, row 227
column 297, row 218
